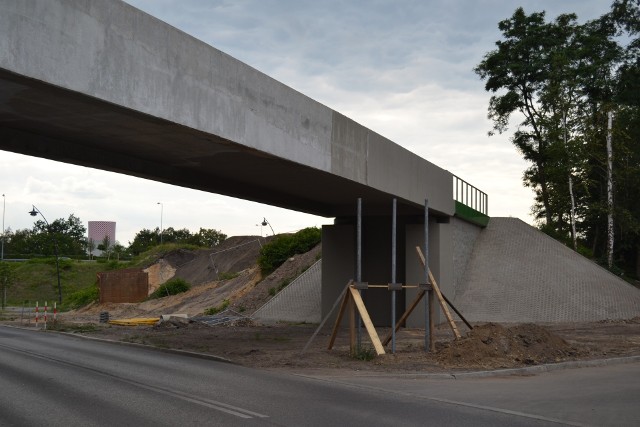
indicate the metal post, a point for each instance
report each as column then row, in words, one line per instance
column 393, row 277
column 426, row 274
column 4, row 200
column 161, row 214
column 359, row 267
column 35, row 211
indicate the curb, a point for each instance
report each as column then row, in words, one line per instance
column 538, row 369
column 133, row 344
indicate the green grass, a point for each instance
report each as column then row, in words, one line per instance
column 365, row 353
column 215, row 310
column 36, row 280
column 71, row 327
column 228, row 275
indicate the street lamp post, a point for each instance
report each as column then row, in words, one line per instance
column 34, row 212
column 161, row 212
column 265, row 223
column 4, row 200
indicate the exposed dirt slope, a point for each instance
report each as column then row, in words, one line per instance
column 246, row 292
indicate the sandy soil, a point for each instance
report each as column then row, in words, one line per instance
column 488, row 346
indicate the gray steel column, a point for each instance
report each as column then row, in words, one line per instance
column 393, row 277
column 359, row 268
column 426, row 274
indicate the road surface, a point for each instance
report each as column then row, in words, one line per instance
column 59, row 380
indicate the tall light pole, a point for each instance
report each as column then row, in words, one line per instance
column 34, row 212
column 265, row 223
column 4, row 200
column 161, row 212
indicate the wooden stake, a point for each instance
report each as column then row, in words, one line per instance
column 325, row 319
column 436, row 289
column 432, row 320
column 375, row 340
column 352, row 327
column 343, row 305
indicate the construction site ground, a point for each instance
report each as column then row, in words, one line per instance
column 279, row 345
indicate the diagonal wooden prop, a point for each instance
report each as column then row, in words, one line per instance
column 353, row 300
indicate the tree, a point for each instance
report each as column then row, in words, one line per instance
column 118, row 249
column 91, row 246
column 208, row 237
column 6, row 280
column 564, row 80
column 516, row 73
column 144, row 240
column 105, row 246
column 69, row 234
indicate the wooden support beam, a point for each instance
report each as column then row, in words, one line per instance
column 432, row 321
column 352, row 326
column 457, row 312
column 333, row 307
column 436, row 289
column 364, row 315
column 343, row 306
column 404, row 317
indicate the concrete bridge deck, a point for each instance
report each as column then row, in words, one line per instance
column 105, row 85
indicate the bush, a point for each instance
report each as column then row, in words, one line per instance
column 228, row 275
column 215, row 310
column 364, row 353
column 82, row 297
column 276, row 252
column 171, row 287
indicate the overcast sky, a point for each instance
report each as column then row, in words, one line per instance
column 402, row 68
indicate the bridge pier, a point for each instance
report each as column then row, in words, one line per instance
column 339, row 262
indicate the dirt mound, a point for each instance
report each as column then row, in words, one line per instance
column 232, row 256
column 267, row 288
column 244, row 291
column 492, row 345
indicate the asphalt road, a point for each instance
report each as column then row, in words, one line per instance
column 54, row 379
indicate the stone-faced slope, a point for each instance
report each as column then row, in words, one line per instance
column 518, row 274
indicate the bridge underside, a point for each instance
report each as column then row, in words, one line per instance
column 41, row 120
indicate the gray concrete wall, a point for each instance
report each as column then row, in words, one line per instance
column 113, row 52
column 338, row 263
column 440, row 264
column 518, row 274
column 465, row 235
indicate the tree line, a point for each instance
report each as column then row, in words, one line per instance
column 573, row 92
column 70, row 236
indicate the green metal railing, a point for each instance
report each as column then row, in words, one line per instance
column 471, row 203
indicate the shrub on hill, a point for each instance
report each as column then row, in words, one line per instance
column 82, row 297
column 283, row 247
column 171, row 287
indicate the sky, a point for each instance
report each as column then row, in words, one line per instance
column 403, row 68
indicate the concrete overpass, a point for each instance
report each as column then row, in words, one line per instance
column 104, row 85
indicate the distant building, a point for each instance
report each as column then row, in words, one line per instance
column 97, row 232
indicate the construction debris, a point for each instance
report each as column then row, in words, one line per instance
column 223, row 318
column 135, row 321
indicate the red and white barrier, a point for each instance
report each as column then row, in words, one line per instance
column 36, row 314
column 45, row 315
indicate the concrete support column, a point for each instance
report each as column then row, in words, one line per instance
column 440, row 263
